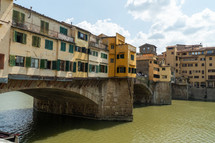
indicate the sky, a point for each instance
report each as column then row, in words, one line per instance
column 158, row 22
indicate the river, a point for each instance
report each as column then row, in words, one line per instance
column 181, row 122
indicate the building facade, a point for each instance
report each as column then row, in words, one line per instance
column 35, row 46
column 122, row 56
column 98, row 57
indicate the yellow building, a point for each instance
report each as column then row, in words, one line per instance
column 149, row 65
column 122, row 56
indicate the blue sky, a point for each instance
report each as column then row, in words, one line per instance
column 158, row 22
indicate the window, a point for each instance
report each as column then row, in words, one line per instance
column 210, row 64
column 94, row 53
column 120, row 56
column 163, row 69
column 1, row 61
column 49, row 65
column 104, row 56
column 132, row 57
column 71, row 48
column 203, row 64
column 209, row 52
column 77, row 49
column 19, row 61
column 49, row 44
column 92, row 68
column 211, row 70
column 20, row 37
column 36, row 41
column 102, row 68
column 80, row 67
column 112, row 46
column 176, row 65
column 63, row 46
column 156, row 76
column 44, row 27
column 196, row 65
column 111, row 60
column 63, row 30
column 172, row 53
column 18, row 17
column 84, row 50
column 196, row 76
column 121, row 69
column 62, row 65
column 164, row 76
column 210, row 58
column 82, row 36
column 34, row 63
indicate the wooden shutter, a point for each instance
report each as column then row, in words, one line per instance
column 12, row 60
column 42, row 63
column 74, row 67
column 54, row 65
column 51, row 45
column 67, row 65
column 79, row 34
column 118, row 70
column 24, row 38
column 90, row 68
column 124, row 69
column 28, row 62
column 58, row 65
column 46, row 27
column 15, row 36
column 42, row 26
column 15, row 16
column 106, row 69
column 97, row 68
column 71, row 48
column 86, row 37
column 22, row 18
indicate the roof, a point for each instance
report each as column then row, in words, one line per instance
column 146, row 44
column 197, row 49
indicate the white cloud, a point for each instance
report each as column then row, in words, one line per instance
column 69, row 20
column 170, row 25
column 105, row 26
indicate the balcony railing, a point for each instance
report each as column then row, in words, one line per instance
column 99, row 46
column 37, row 29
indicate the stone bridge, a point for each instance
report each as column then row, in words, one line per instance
column 152, row 93
column 95, row 98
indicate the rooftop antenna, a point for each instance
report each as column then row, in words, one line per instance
column 30, row 12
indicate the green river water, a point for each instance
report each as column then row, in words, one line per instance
column 181, row 122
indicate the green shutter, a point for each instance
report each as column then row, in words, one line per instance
column 42, row 26
column 71, row 48
column 15, row 36
column 96, row 54
column 63, row 46
column 90, row 68
column 74, row 67
column 15, row 16
column 24, row 38
column 97, row 68
column 106, row 69
column 12, row 60
column 42, row 64
column 67, row 65
column 51, row 45
column 58, row 65
column 28, row 62
column 54, row 65
column 46, row 27
column 22, row 20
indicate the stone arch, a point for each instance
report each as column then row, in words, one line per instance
column 142, row 94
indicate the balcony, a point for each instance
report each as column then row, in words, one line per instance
column 37, row 29
column 99, row 46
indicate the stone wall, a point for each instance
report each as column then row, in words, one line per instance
column 162, row 93
column 204, row 94
column 179, row 92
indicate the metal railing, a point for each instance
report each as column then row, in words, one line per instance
column 37, row 29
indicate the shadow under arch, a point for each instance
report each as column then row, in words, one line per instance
column 143, row 95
